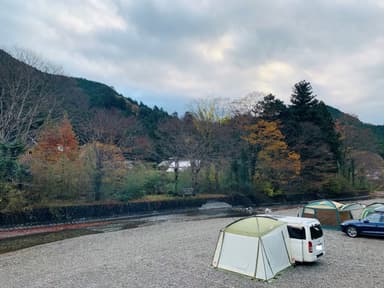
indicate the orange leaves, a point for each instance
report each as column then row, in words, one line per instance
column 63, row 170
column 273, row 157
column 264, row 133
column 295, row 159
column 67, row 136
column 54, row 162
column 56, row 141
column 267, row 136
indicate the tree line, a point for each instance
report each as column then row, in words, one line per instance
column 258, row 147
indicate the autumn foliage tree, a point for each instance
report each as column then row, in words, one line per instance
column 63, row 171
column 56, row 141
column 53, row 162
column 274, row 162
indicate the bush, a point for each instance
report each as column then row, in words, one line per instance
column 337, row 186
column 183, row 182
column 141, row 181
column 133, row 187
column 11, row 199
column 157, row 182
column 263, row 187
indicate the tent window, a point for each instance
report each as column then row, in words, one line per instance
column 316, row 231
column 309, row 211
column 296, row 233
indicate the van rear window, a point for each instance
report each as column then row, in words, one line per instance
column 296, row 233
column 316, row 231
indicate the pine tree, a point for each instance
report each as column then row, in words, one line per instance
column 312, row 134
column 269, row 108
column 303, row 100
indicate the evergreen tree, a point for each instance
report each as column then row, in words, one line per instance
column 324, row 120
column 311, row 132
column 9, row 167
column 303, row 100
column 270, row 108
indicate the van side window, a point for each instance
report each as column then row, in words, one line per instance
column 296, row 233
column 316, row 231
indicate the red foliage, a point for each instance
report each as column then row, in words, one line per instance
column 56, row 141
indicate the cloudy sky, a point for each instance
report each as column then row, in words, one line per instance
column 167, row 53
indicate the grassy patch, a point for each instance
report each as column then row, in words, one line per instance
column 152, row 198
column 146, row 198
column 63, row 203
column 210, row 196
column 163, row 197
column 21, row 242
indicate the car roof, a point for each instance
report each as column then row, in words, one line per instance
column 380, row 209
column 292, row 219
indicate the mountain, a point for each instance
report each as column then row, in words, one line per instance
column 364, row 147
column 359, row 135
column 94, row 109
column 98, row 112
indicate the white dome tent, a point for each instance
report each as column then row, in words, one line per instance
column 255, row 246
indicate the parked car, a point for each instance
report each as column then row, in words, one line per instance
column 306, row 237
column 372, row 225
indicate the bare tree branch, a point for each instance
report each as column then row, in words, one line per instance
column 26, row 94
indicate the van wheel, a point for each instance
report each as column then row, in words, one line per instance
column 352, row 231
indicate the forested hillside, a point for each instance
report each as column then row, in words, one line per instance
column 359, row 135
column 362, row 148
column 67, row 140
column 85, row 102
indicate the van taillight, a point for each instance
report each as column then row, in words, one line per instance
column 310, row 247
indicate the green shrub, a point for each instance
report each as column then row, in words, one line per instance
column 144, row 180
column 336, row 186
column 133, row 187
column 157, row 182
column 184, row 181
column 11, row 199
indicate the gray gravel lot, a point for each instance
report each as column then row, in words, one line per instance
column 178, row 253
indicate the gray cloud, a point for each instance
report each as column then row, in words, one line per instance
column 170, row 52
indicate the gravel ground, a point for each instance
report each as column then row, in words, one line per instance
column 178, row 253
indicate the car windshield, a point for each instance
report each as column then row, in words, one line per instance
column 375, row 217
column 316, row 231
